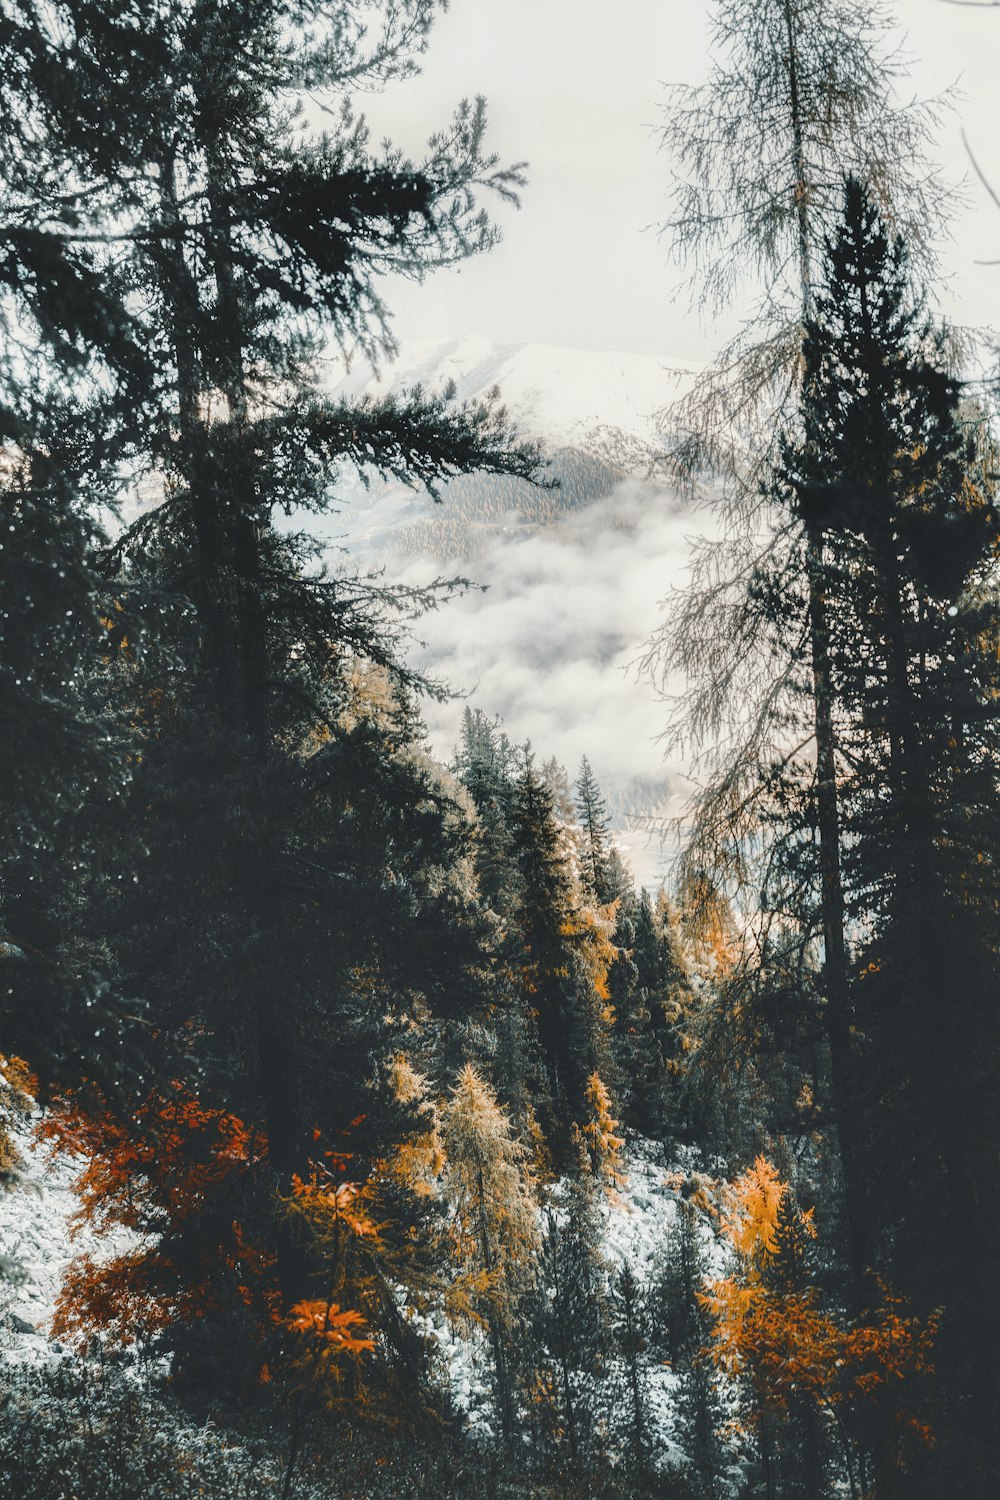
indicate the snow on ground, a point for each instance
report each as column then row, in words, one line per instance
column 36, row 1230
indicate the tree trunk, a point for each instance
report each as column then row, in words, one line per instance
column 218, row 469
column 835, row 963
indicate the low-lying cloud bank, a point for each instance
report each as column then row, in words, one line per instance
column 551, row 645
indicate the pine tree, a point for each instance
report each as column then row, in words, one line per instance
column 571, row 1320
column 651, row 994
column 552, row 994
column 233, row 242
column 797, row 1362
column 485, row 764
column 629, row 1304
column 678, row 1332
column 895, row 473
column 592, row 813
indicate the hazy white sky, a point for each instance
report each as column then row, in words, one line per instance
column 575, row 88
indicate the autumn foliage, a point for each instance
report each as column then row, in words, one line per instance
column 771, row 1333
column 178, row 1185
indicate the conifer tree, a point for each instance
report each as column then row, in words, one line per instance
column 571, row 1319
column 494, row 1228
column 485, row 764
column 592, row 814
column 803, row 92
column 652, row 996
column 604, row 1145
column 629, row 1305
column 556, row 780
column 232, row 241
column 897, row 473
column 562, row 1015
column 678, row 1332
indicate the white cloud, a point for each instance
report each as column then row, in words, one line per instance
column 551, row 646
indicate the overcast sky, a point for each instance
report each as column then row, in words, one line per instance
column 575, row 87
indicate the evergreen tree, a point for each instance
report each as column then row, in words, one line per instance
column 571, row 1319
column 556, row 781
column 251, row 242
column 890, row 469
column 485, row 764
column 678, row 1333
column 652, row 997
column 592, row 815
column 555, row 994
column 630, row 1343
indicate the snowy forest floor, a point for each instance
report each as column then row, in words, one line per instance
column 46, row 1383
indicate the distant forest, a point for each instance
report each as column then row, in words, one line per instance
column 374, row 1071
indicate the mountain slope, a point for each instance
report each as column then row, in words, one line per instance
column 596, row 415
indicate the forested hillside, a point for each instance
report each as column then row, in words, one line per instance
column 414, row 1147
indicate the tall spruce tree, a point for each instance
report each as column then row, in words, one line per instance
column 486, row 765
column 592, row 813
column 570, row 1324
column 894, row 469
column 560, row 1004
column 803, row 92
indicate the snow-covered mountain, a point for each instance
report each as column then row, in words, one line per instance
column 596, row 414
column 564, row 397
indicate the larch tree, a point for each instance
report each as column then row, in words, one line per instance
column 599, row 1132
column 803, row 93
column 828, row 1400
column 494, row 1223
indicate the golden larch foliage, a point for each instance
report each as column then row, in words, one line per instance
column 770, row 1331
column 604, row 1144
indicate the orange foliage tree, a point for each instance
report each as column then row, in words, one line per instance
column 604, row 1145
column 336, row 1217
column 186, row 1193
column 182, row 1180
column 356, row 1348
column 798, row 1362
